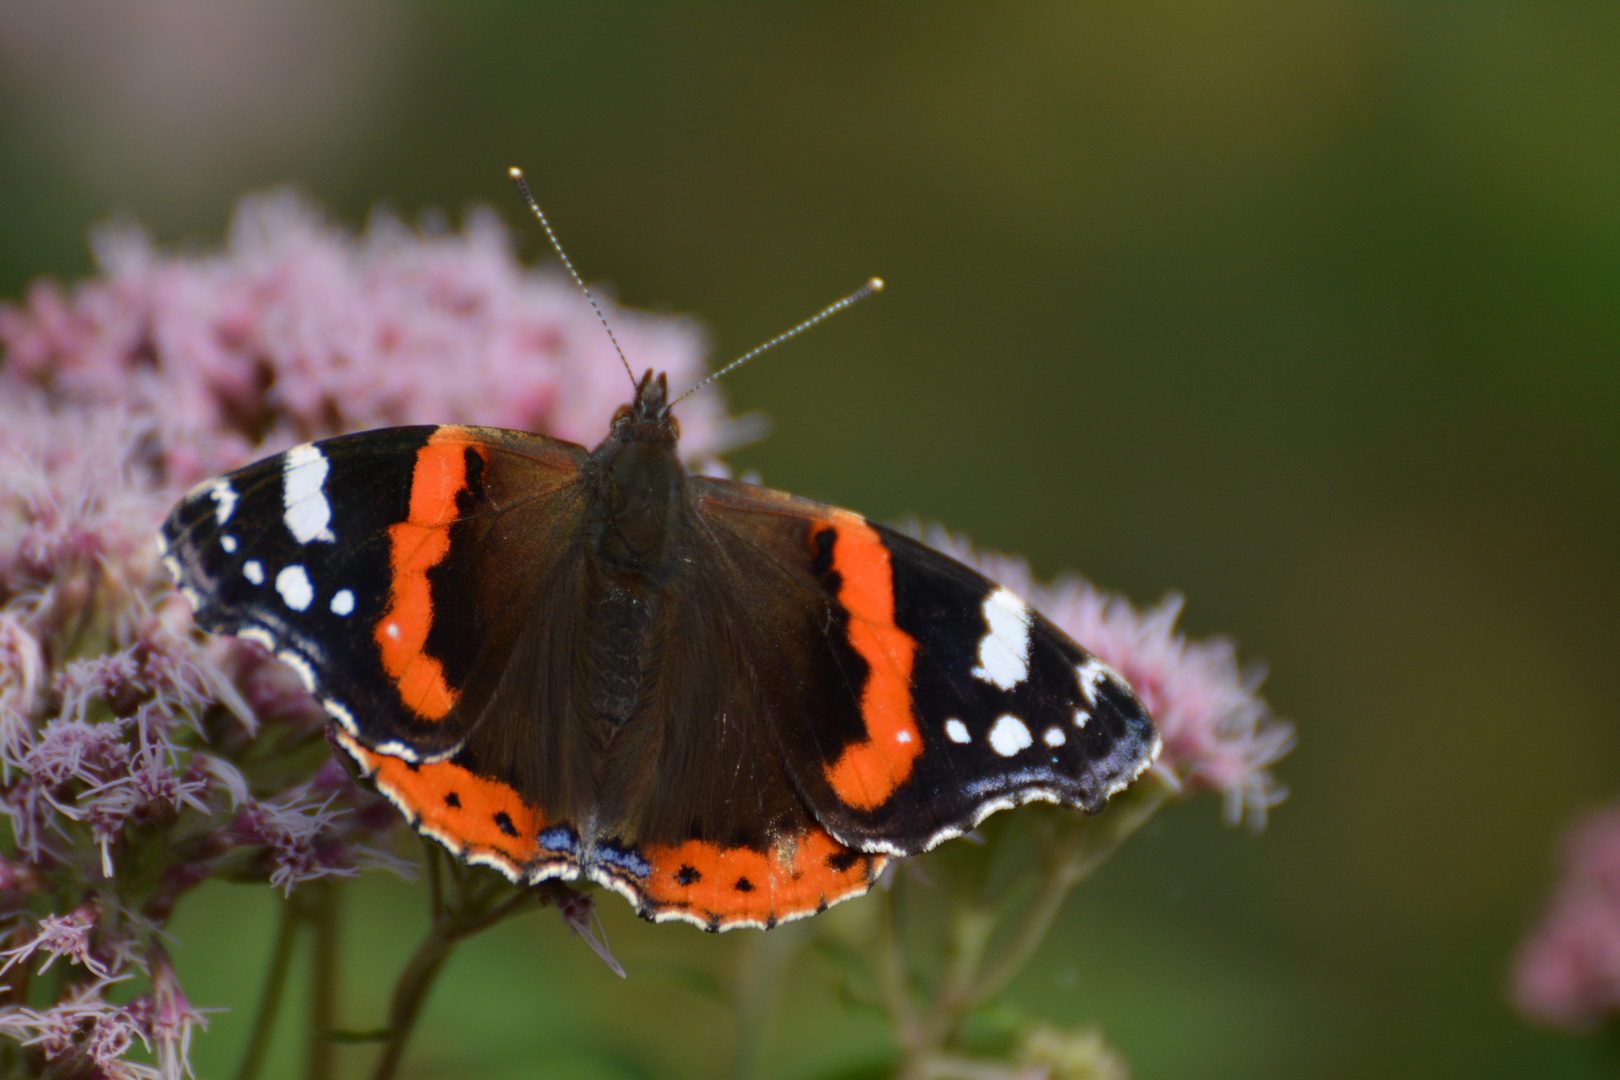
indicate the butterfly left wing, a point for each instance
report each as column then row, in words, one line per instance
column 364, row 562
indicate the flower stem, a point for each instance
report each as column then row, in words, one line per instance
column 409, row 992
column 275, row 984
column 974, row 973
column 765, row 955
column 475, row 906
column 1077, row 856
column 323, row 917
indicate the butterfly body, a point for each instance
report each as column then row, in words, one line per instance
column 727, row 703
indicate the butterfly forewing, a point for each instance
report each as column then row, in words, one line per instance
column 364, row 562
column 913, row 696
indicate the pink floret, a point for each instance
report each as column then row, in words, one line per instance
column 1568, row 969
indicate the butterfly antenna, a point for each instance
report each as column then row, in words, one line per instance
column 523, row 187
column 873, row 285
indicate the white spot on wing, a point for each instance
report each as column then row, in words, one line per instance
column 228, row 542
column 253, row 571
column 1054, row 737
column 956, row 731
column 224, row 497
column 342, row 602
column 293, row 585
column 305, row 509
column 1091, row 673
column 392, row 629
column 1080, row 718
column 902, row 736
column 1009, row 735
column 1004, row 649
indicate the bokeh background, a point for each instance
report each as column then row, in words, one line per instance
column 1311, row 312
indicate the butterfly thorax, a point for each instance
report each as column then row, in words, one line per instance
column 637, row 485
column 637, row 527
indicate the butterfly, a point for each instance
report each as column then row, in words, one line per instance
column 727, row 703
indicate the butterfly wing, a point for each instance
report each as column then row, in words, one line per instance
column 367, row 563
column 827, row 692
column 916, row 695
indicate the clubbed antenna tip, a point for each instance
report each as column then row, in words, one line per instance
column 523, row 188
column 873, row 285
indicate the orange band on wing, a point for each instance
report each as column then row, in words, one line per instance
column 417, row 545
column 473, row 815
column 800, row 875
column 868, row 772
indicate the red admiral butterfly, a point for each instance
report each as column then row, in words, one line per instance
column 727, row 703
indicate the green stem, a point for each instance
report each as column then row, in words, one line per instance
column 435, row 875
column 472, row 910
column 893, row 977
column 972, row 976
column 275, row 984
column 758, row 980
column 1078, row 856
column 409, row 993
column 324, row 996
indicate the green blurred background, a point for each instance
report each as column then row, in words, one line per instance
column 1310, row 312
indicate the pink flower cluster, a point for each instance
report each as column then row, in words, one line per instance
column 83, row 1034
column 1568, row 969
column 137, row 758
column 1218, row 732
column 297, row 331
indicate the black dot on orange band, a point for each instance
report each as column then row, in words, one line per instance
column 453, row 800
column 841, row 861
column 504, row 823
column 744, row 885
column 688, row 875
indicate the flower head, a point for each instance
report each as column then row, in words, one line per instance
column 82, row 1034
column 1568, row 969
column 284, row 336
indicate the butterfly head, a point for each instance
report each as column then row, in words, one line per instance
column 647, row 419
